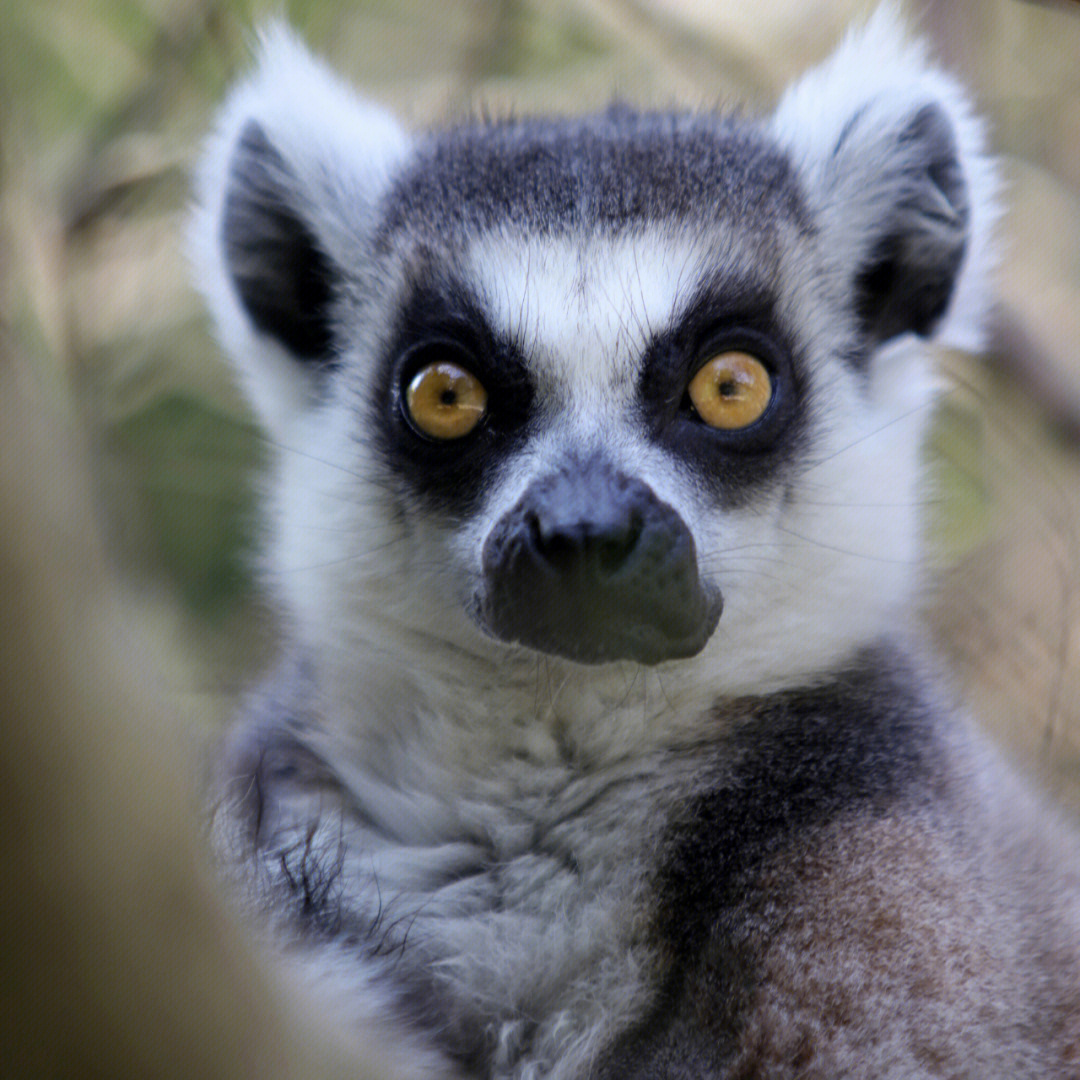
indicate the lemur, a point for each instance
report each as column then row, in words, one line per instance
column 604, row 740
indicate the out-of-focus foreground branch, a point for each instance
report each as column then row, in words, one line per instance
column 117, row 957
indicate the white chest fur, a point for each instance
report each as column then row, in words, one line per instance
column 512, row 916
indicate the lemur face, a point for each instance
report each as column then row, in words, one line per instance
column 638, row 388
column 574, row 390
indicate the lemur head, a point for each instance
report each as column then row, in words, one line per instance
column 629, row 392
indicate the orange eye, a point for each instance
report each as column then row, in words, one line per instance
column 445, row 401
column 731, row 391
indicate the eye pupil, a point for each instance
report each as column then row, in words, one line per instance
column 728, row 388
column 448, row 396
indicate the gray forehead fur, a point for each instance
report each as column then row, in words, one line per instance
column 610, row 171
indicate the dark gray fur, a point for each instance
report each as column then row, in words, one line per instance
column 284, row 280
column 907, row 280
column 612, row 171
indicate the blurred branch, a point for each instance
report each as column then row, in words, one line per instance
column 1015, row 351
column 118, row 957
column 687, row 57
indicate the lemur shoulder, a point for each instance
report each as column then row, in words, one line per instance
column 605, row 741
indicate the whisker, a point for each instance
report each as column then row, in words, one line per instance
column 817, row 463
column 845, row 551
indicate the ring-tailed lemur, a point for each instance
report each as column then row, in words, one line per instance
column 603, row 744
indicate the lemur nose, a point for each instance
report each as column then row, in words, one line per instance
column 591, row 565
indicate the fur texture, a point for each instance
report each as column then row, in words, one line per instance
column 781, row 856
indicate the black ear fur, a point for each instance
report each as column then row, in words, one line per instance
column 907, row 281
column 283, row 278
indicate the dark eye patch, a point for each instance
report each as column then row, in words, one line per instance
column 721, row 317
column 442, row 318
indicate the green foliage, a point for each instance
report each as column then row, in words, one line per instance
column 959, row 510
column 187, row 468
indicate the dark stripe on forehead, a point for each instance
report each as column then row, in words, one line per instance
column 611, row 171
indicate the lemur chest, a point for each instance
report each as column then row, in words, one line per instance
column 513, row 920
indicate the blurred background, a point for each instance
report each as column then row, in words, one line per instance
column 102, row 107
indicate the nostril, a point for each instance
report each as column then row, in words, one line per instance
column 562, row 547
column 534, row 531
column 615, row 546
column 610, row 556
column 553, row 544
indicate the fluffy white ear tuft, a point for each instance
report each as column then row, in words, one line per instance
column 285, row 194
column 894, row 163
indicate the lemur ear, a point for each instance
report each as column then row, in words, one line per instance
column 903, row 193
column 285, row 198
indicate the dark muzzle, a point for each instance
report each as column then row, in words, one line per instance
column 592, row 566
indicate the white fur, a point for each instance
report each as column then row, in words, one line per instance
column 550, row 956
column 882, row 76
column 342, row 151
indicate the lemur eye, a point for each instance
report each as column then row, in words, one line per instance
column 444, row 401
column 731, row 391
